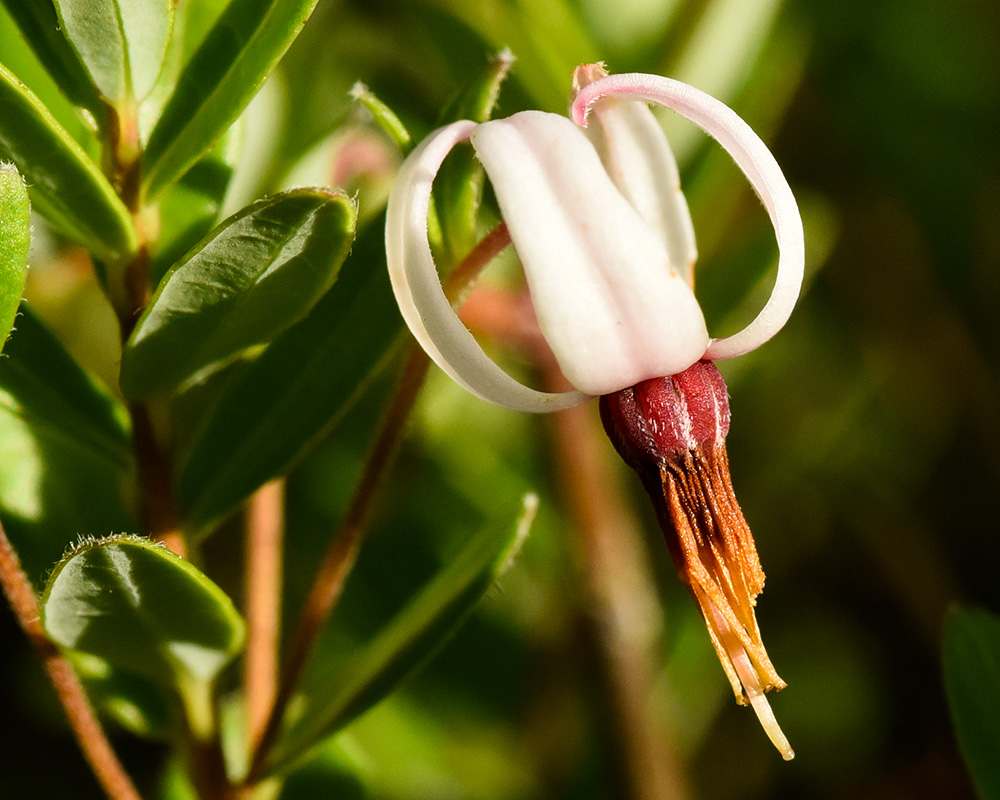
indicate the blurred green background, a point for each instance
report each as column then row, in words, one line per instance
column 865, row 437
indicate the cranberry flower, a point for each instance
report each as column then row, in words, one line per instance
column 595, row 213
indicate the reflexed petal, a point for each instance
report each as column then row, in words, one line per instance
column 609, row 304
column 418, row 291
column 637, row 156
column 756, row 161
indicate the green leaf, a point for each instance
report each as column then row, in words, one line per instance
column 411, row 638
column 121, row 42
column 458, row 187
column 143, row 610
column 547, row 35
column 66, row 187
column 275, row 407
column 972, row 681
column 65, row 448
column 383, row 116
column 190, row 208
column 218, row 82
column 262, row 270
column 57, row 395
column 15, row 236
column 133, row 702
column 39, row 24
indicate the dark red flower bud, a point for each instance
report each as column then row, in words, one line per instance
column 672, row 432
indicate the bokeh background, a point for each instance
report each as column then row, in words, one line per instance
column 864, row 445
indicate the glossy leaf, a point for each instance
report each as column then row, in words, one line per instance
column 39, row 24
column 412, row 637
column 142, row 609
column 190, row 208
column 972, row 681
column 218, row 82
column 277, row 406
column 64, row 448
column 15, row 236
column 258, row 273
column 121, row 42
column 66, row 187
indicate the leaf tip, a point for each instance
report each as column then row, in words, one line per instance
column 529, row 510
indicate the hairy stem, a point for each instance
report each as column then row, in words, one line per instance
column 83, row 721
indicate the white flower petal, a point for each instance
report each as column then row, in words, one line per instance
column 418, row 291
column 756, row 161
column 608, row 302
column 637, row 156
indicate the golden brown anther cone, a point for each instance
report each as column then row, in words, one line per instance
column 672, row 432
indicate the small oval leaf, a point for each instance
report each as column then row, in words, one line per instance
column 15, row 236
column 260, row 271
column 971, row 658
column 274, row 408
column 218, row 82
column 410, row 638
column 66, row 187
column 142, row 609
column 190, row 208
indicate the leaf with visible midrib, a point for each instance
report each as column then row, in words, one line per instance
column 273, row 409
column 39, row 25
column 259, row 272
column 66, row 187
column 142, row 609
column 121, row 42
column 218, row 82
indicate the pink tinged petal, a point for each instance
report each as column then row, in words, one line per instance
column 611, row 307
column 420, row 296
column 757, row 163
column 637, row 156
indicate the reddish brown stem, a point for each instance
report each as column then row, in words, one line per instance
column 83, row 721
column 344, row 546
column 343, row 552
column 156, row 500
column 491, row 245
column 264, row 536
